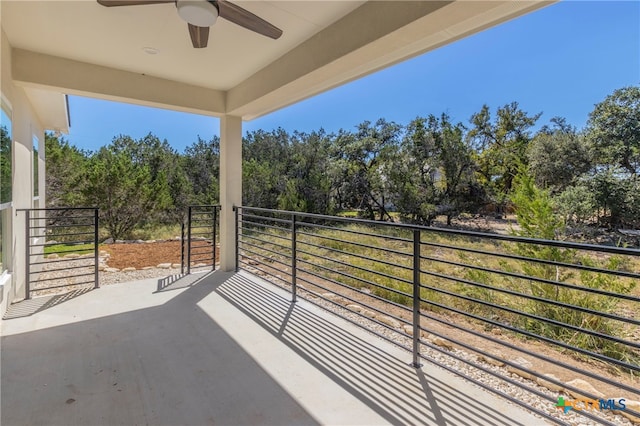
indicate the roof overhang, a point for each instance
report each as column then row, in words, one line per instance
column 366, row 38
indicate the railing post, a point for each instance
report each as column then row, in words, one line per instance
column 182, row 246
column 294, row 267
column 96, row 256
column 237, row 226
column 27, row 252
column 189, row 241
column 215, row 222
column 416, row 299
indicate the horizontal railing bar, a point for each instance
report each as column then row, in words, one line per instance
column 521, row 350
column 265, row 218
column 61, row 286
column 265, row 233
column 267, row 242
column 263, row 225
column 63, row 235
column 362, row 280
column 484, row 235
column 542, row 261
column 532, row 278
column 532, row 316
column 532, row 335
column 70, row 244
column 382, row 274
column 387, row 250
column 263, row 255
column 77, row 259
column 66, row 277
column 75, row 225
column 49, row 209
column 359, row 256
column 205, row 206
column 343, row 285
column 91, row 265
column 402, row 320
column 204, row 262
column 62, row 252
column 266, row 272
column 351, row 231
column 62, row 218
column 535, row 298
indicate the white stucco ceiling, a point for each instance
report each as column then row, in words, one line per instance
column 114, row 37
column 80, row 47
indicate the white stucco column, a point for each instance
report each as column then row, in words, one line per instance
column 230, row 187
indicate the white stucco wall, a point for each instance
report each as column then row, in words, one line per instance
column 25, row 125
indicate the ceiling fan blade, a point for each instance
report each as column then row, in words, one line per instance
column 199, row 36
column 248, row 20
column 112, row 3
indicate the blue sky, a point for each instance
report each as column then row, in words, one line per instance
column 560, row 61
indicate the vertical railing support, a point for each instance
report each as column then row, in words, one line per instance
column 96, row 253
column 215, row 224
column 27, row 253
column 294, row 266
column 189, row 241
column 416, row 299
column 182, row 246
column 237, row 226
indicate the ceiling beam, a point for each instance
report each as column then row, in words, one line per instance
column 32, row 69
column 374, row 36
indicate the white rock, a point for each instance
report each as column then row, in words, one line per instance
column 356, row 308
column 111, row 270
column 491, row 361
column 176, row 265
column 524, row 364
column 439, row 341
column 631, row 405
column 129, row 269
column 408, row 329
column 389, row 321
column 53, row 256
column 150, row 241
column 102, row 267
column 146, row 268
column 549, row 385
column 164, row 265
column 72, row 256
column 584, row 386
column 367, row 313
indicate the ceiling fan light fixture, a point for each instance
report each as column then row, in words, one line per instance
column 201, row 13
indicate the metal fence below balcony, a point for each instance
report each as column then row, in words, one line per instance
column 200, row 237
column 538, row 317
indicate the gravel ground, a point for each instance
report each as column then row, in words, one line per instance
column 513, row 391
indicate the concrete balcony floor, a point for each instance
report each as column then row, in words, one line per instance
column 227, row 349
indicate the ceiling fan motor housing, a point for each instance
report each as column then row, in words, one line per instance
column 201, row 13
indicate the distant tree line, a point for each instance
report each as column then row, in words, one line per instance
column 429, row 167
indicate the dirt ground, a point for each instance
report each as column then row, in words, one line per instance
column 141, row 255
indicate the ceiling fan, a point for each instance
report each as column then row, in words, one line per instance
column 201, row 14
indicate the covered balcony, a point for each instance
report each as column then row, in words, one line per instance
column 258, row 341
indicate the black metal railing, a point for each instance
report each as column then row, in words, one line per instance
column 61, row 248
column 200, row 237
column 510, row 307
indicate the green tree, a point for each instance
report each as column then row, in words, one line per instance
column 201, row 163
column 365, row 159
column 501, row 147
column 66, row 169
column 558, row 156
column 614, row 129
column 125, row 192
column 5, row 165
